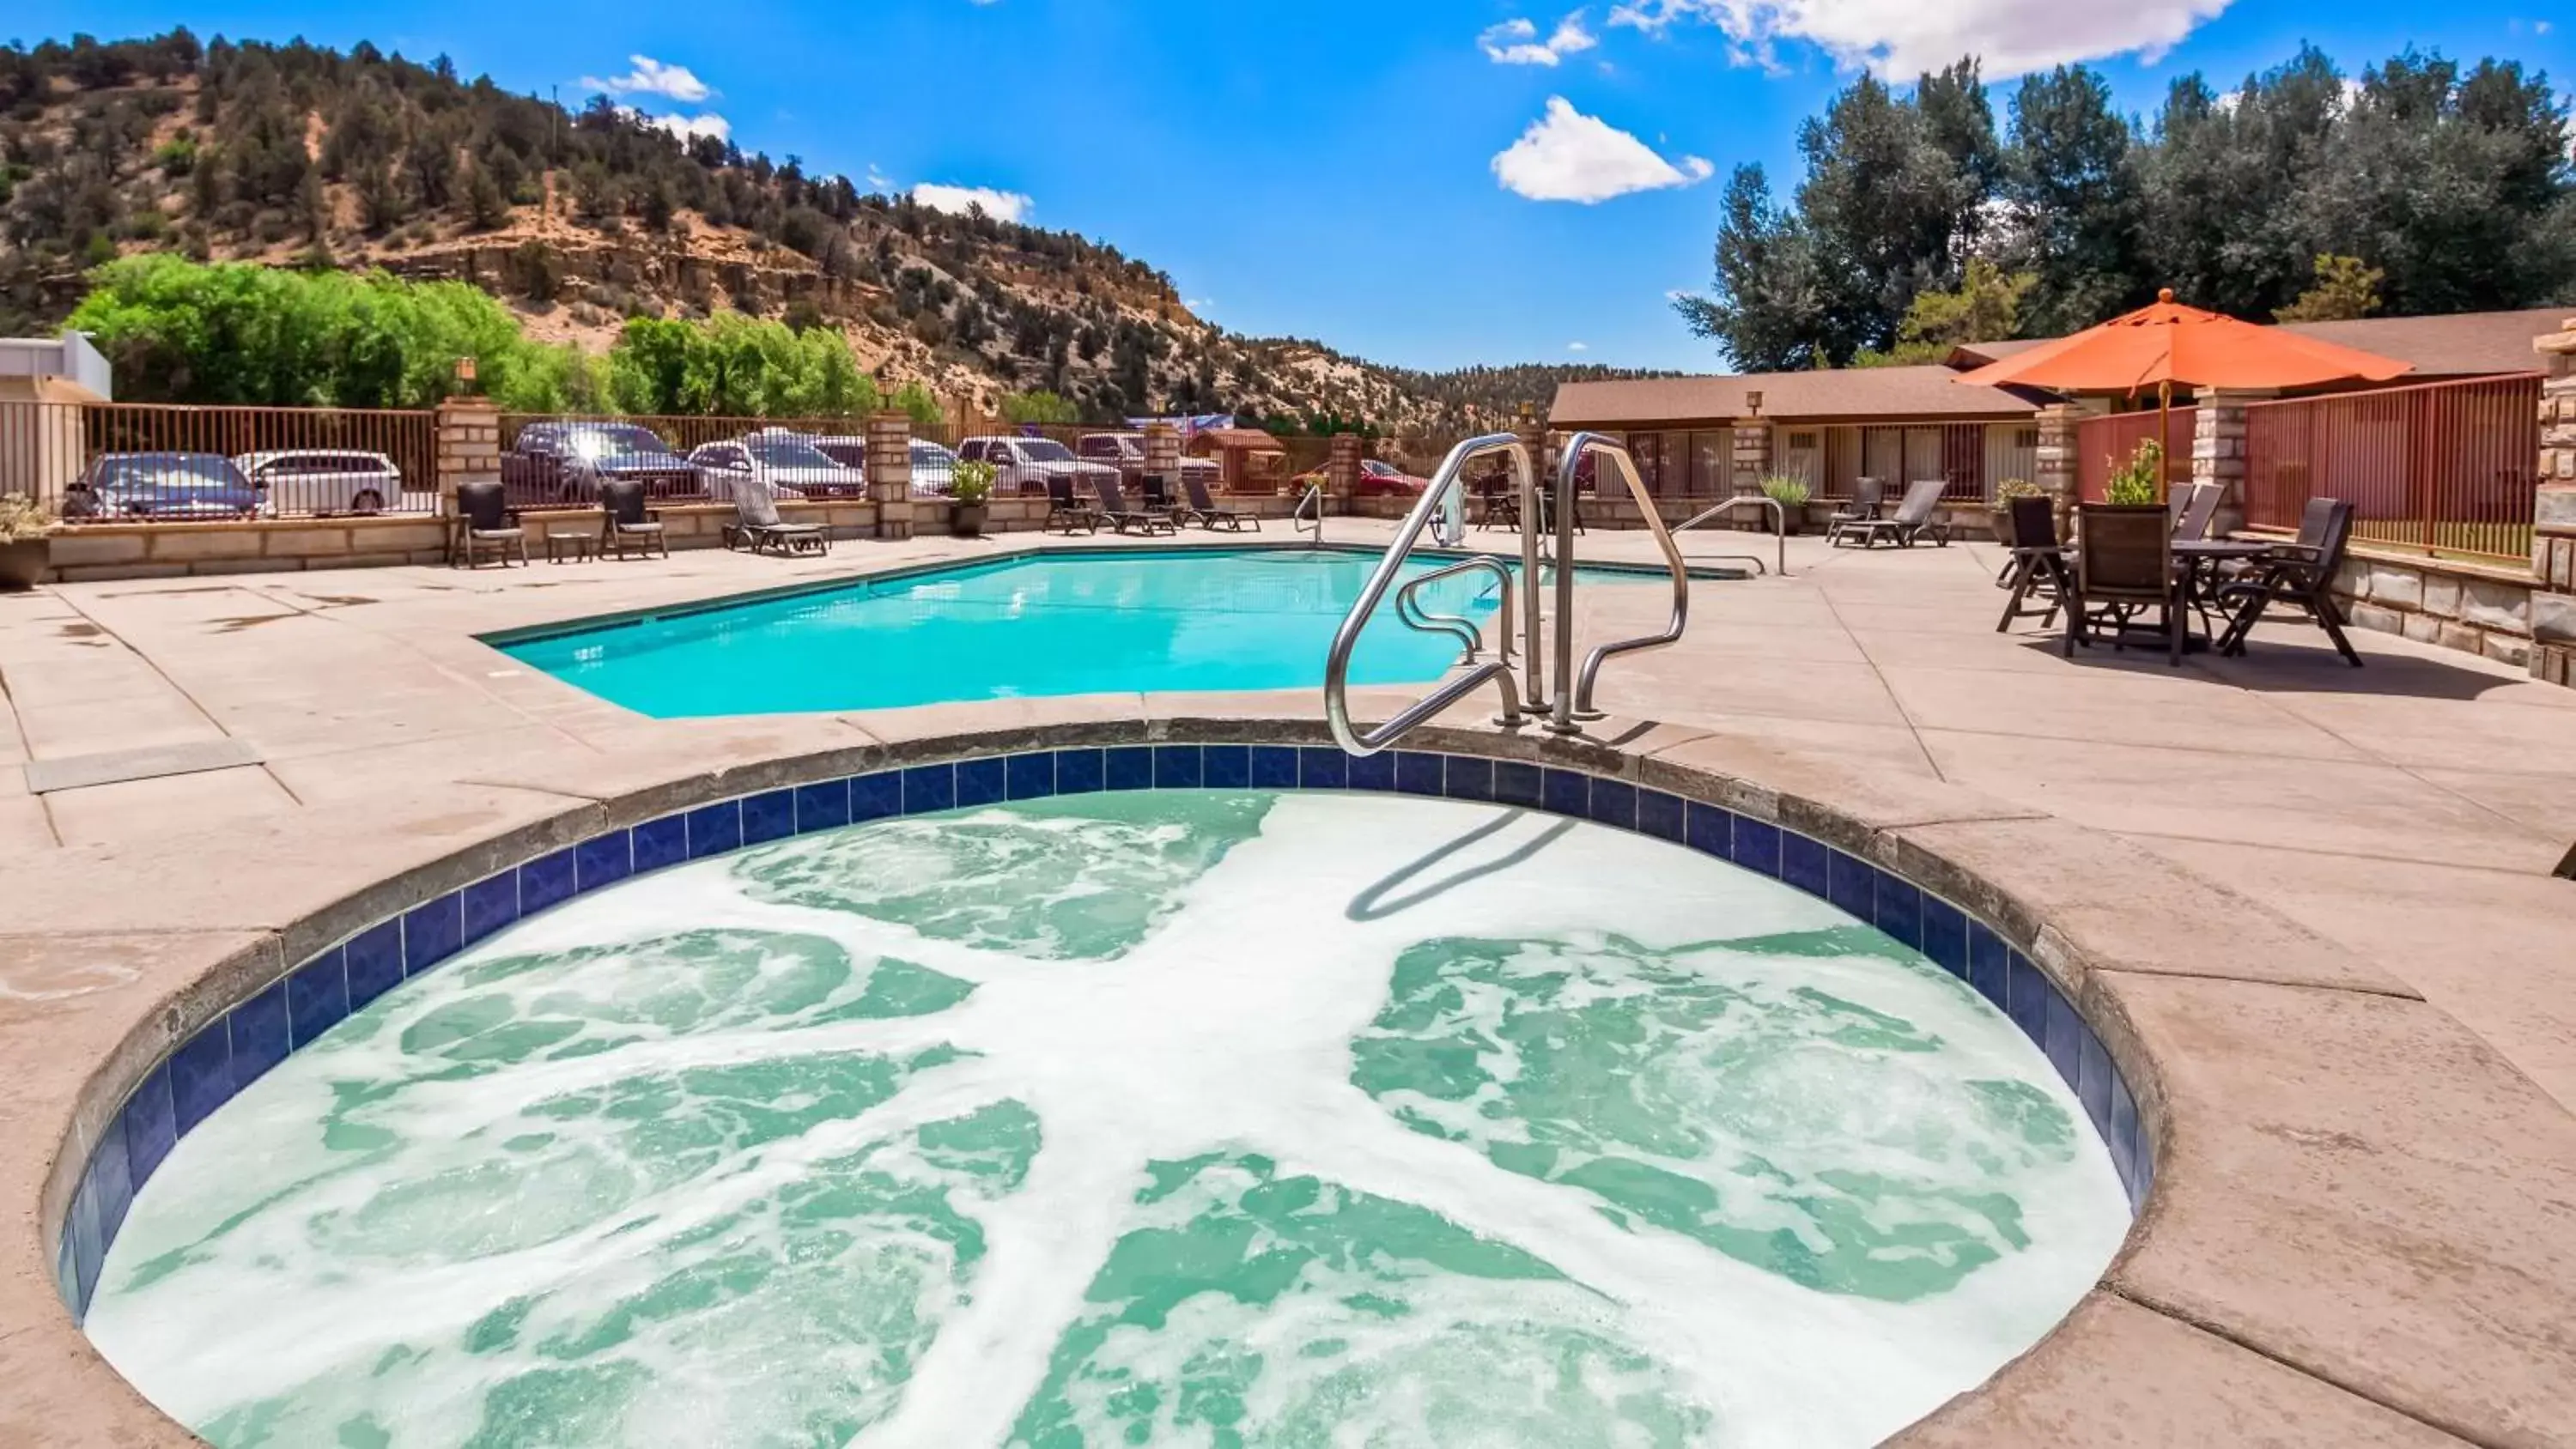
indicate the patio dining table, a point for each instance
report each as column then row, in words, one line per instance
column 2199, row 561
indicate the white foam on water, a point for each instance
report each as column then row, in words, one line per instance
column 1221, row 1021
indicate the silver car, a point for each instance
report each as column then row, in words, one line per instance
column 1027, row 465
column 789, row 462
column 322, row 480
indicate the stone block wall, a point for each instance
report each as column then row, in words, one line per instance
column 2553, row 545
column 2475, row 610
column 469, row 446
column 177, row 550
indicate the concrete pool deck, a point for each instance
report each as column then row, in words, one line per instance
column 2309, row 907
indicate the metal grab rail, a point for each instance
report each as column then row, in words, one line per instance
column 1410, row 609
column 1301, row 521
column 1337, row 665
column 1779, row 527
column 1576, row 703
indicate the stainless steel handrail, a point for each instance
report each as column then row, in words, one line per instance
column 1301, row 521
column 1779, row 527
column 1410, row 609
column 1337, row 665
column 1576, row 703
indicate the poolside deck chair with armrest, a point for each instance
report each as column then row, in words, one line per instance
column 1867, row 495
column 485, row 521
column 758, row 527
column 2124, row 566
column 1122, row 519
column 2038, row 565
column 1067, row 510
column 625, row 520
column 1915, row 517
column 2300, row 574
column 1204, row 509
column 2199, row 511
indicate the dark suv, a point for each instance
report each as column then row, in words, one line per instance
column 565, row 462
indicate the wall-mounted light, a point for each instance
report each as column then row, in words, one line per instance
column 1753, row 401
column 465, row 374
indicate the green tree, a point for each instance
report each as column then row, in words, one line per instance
column 2346, row 288
column 2071, row 180
column 1985, row 305
column 1768, row 308
column 1039, row 407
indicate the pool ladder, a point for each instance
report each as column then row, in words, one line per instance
column 1444, row 500
column 1308, row 517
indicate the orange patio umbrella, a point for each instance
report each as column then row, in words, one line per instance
column 2167, row 343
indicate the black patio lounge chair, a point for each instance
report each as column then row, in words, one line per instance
column 758, row 527
column 1915, row 517
column 2038, row 563
column 1122, row 519
column 2124, row 566
column 1867, row 495
column 2302, row 574
column 624, row 520
column 1067, row 511
column 2199, row 510
column 485, row 522
column 1204, row 509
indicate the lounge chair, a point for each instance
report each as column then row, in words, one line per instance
column 1914, row 517
column 2038, row 564
column 485, row 521
column 758, row 527
column 2301, row 573
column 1122, row 519
column 2124, row 566
column 1066, row 509
column 1867, row 495
column 1204, row 509
column 624, row 519
column 2199, row 510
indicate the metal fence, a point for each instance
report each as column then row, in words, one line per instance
column 146, row 462
column 2447, row 467
column 2104, row 445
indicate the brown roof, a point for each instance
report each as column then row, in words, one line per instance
column 2458, row 345
column 1849, row 393
column 1248, row 438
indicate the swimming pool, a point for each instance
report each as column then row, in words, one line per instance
column 1170, row 1116
column 1096, row 622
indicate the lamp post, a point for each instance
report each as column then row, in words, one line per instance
column 464, row 374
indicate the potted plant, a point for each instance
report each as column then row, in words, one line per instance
column 1792, row 495
column 971, row 483
column 25, row 553
column 2138, row 481
column 2000, row 514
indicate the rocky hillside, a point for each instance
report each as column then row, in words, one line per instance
column 295, row 155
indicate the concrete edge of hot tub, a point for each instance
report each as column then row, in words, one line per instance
column 2358, row 1231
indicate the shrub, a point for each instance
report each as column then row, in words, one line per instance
column 2140, row 480
column 971, row 481
column 1787, row 492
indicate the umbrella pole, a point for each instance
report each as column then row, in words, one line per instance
column 2164, row 441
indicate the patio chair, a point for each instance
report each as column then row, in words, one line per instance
column 2199, row 509
column 758, row 527
column 2301, row 573
column 1066, row 509
column 2124, row 566
column 2038, row 564
column 1204, row 509
column 1122, row 519
column 485, row 521
column 1867, row 495
column 625, row 520
column 1156, row 490
column 1915, row 517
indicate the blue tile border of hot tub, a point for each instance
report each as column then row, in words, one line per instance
column 230, row 1052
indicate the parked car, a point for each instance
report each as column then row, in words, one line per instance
column 161, row 485
column 322, row 480
column 1126, row 453
column 1024, row 465
column 1378, row 479
column 564, row 462
column 793, row 466
column 934, row 468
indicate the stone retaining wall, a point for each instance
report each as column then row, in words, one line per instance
column 2484, row 611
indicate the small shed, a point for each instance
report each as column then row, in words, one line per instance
column 1253, row 461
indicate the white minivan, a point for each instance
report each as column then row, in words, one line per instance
column 322, row 480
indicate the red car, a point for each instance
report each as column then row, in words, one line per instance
column 1377, row 480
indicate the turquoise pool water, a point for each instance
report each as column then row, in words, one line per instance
column 1022, row 627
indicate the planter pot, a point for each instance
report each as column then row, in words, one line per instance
column 2000, row 520
column 966, row 520
column 1793, row 521
column 23, row 563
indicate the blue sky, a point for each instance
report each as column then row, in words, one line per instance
column 1413, row 181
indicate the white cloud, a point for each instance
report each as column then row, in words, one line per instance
column 999, row 205
column 1516, row 42
column 1578, row 347
column 1905, row 37
column 1566, row 155
column 687, row 128
column 651, row 77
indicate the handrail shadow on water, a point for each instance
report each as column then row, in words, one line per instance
column 1372, row 904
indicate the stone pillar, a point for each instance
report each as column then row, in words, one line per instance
column 1750, row 465
column 2553, row 542
column 2061, row 457
column 890, row 472
column 1342, row 470
column 1163, row 456
column 2218, row 451
column 469, row 446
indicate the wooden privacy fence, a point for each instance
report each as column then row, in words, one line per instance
column 2105, row 444
column 2446, row 467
